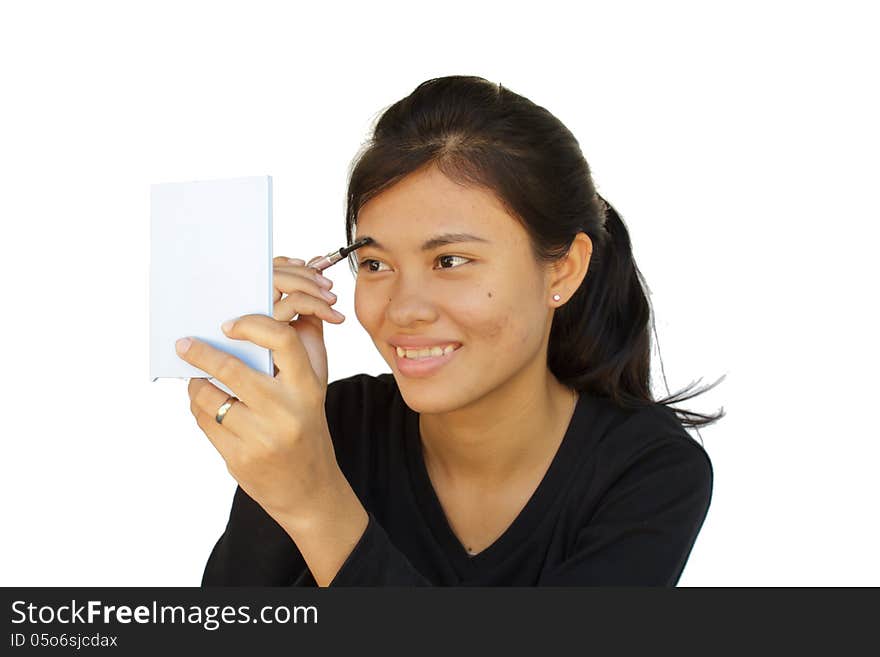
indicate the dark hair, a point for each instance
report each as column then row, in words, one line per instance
column 482, row 134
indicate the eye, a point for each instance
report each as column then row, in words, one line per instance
column 445, row 258
column 366, row 263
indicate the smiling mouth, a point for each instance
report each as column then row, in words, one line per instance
column 420, row 366
column 427, row 352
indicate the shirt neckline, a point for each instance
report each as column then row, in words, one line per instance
column 561, row 466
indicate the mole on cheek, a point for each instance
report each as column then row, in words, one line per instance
column 490, row 295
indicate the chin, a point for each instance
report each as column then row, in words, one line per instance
column 424, row 396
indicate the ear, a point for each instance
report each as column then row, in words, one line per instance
column 566, row 275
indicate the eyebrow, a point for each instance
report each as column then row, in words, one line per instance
column 436, row 241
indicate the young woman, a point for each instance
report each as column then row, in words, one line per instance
column 515, row 440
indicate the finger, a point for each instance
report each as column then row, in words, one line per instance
column 308, row 273
column 300, row 303
column 288, row 350
column 224, row 440
column 288, row 282
column 310, row 330
column 299, row 265
column 249, row 385
column 282, row 260
column 291, row 277
column 278, row 263
column 205, row 397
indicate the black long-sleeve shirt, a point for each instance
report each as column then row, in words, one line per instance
column 621, row 504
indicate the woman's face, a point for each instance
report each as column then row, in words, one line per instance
column 484, row 300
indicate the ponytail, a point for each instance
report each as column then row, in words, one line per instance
column 600, row 340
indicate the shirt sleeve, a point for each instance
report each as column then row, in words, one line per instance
column 375, row 561
column 254, row 550
column 646, row 523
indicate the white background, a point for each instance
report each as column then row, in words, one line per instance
column 739, row 143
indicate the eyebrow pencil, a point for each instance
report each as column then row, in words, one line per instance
column 322, row 262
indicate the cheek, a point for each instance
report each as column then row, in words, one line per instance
column 503, row 325
column 367, row 308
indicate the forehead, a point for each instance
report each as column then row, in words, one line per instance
column 426, row 201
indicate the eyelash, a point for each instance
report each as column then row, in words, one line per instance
column 365, row 261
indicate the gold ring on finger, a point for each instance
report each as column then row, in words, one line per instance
column 225, row 406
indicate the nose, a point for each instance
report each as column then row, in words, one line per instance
column 409, row 303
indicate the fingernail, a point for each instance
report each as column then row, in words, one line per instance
column 337, row 313
column 323, row 281
column 227, row 325
column 296, row 261
column 182, row 345
column 327, row 294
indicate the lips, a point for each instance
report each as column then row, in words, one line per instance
column 424, row 367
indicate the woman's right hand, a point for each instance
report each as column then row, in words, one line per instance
column 309, row 297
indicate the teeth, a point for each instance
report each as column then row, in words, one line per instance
column 427, row 352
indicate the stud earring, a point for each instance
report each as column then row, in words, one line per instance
column 556, row 297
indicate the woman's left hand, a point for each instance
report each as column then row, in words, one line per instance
column 275, row 440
